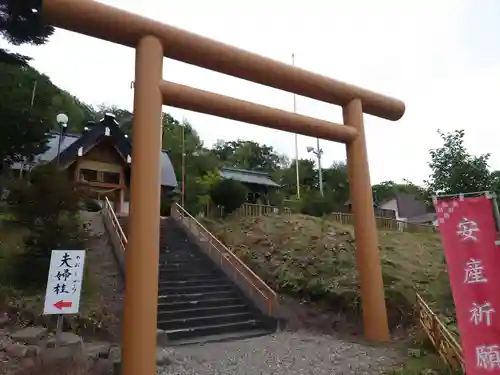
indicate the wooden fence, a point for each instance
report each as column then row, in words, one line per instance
column 441, row 338
column 383, row 223
column 248, row 209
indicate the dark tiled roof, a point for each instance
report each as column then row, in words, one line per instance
column 247, row 177
column 71, row 143
column 52, row 146
column 86, row 141
column 409, row 205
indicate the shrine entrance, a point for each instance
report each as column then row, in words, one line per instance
column 153, row 41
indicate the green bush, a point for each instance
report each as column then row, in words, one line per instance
column 165, row 206
column 168, row 198
column 229, row 194
column 276, row 198
column 47, row 206
column 92, row 205
column 315, row 205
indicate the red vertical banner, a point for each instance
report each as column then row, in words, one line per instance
column 469, row 235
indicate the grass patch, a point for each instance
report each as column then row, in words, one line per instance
column 28, row 304
column 427, row 364
column 4, row 216
column 11, row 242
column 421, row 359
column 314, row 258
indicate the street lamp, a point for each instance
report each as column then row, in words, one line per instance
column 318, row 152
column 183, row 171
column 62, row 121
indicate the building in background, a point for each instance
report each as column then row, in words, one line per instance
column 100, row 160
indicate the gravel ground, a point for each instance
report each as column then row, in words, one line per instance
column 285, row 353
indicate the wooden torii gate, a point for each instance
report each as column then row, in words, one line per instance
column 153, row 41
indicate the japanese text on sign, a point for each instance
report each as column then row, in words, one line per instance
column 64, row 283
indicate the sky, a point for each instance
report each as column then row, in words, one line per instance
column 442, row 58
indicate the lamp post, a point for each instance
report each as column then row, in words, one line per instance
column 183, row 172
column 62, row 121
column 318, row 152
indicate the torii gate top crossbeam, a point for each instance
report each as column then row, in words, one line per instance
column 115, row 25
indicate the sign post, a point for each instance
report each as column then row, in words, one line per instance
column 64, row 285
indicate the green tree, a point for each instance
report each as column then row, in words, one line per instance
column 388, row 189
column 336, row 183
column 22, row 125
column 199, row 162
column 454, row 170
column 248, row 155
column 20, row 23
column 384, row 190
column 28, row 109
column 47, row 206
column 495, row 181
column 79, row 113
column 307, row 177
column 121, row 115
column 229, row 194
column 205, row 185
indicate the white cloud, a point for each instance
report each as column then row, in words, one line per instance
column 413, row 50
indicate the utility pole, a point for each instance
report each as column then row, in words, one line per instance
column 33, row 93
column 296, row 140
column 319, row 153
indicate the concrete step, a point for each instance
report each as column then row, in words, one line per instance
column 191, row 276
column 184, row 263
column 180, row 251
column 203, row 321
column 184, row 256
column 190, row 283
column 178, row 297
column 168, row 290
column 174, row 243
column 186, row 270
column 202, row 311
column 196, row 301
column 216, row 329
column 193, row 262
column 164, row 305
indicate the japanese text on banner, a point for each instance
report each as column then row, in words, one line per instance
column 468, row 233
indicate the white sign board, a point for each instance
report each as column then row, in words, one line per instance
column 64, row 284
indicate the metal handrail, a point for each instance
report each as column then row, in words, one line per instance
column 440, row 336
column 273, row 296
column 114, row 221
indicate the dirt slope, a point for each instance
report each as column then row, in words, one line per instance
column 314, row 258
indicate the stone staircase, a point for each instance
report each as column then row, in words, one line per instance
column 197, row 302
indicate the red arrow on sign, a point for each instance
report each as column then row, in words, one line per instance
column 61, row 304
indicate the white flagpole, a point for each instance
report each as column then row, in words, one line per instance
column 296, row 140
